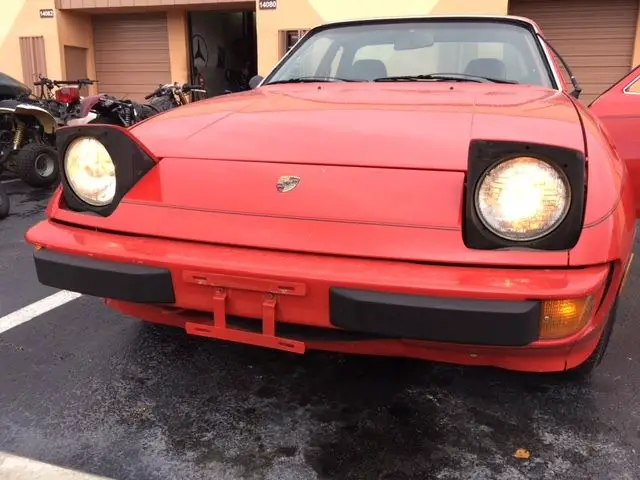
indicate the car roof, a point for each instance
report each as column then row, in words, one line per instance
column 464, row 17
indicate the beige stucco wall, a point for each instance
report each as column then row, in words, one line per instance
column 178, row 45
column 21, row 18
column 72, row 28
column 9, row 60
column 304, row 14
column 75, row 30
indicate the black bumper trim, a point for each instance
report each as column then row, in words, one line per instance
column 99, row 278
column 475, row 322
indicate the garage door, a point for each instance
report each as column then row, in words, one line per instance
column 132, row 53
column 595, row 37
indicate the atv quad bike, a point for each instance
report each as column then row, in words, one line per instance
column 27, row 134
column 27, row 142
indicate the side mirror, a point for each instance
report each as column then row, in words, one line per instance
column 255, row 81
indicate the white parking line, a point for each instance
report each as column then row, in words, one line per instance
column 13, row 467
column 11, row 180
column 36, row 309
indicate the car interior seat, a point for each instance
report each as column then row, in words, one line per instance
column 487, row 67
column 369, row 69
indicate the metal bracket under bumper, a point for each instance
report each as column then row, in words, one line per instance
column 219, row 329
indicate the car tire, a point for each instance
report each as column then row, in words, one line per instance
column 4, row 203
column 583, row 371
column 37, row 164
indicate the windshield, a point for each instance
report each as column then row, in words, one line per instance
column 366, row 52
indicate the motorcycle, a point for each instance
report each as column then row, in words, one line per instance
column 27, row 129
column 110, row 110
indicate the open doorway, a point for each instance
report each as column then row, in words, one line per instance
column 223, row 50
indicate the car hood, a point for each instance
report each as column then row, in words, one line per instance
column 401, row 125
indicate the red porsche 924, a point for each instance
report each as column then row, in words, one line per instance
column 417, row 187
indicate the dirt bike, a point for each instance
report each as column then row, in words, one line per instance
column 110, row 110
column 27, row 130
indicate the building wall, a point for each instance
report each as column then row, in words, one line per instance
column 113, row 4
column 21, row 18
column 73, row 26
column 305, row 14
column 74, row 30
column 178, row 45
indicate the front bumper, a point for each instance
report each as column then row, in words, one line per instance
column 416, row 317
column 121, row 281
column 467, row 308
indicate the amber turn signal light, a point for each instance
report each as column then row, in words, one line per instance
column 561, row 318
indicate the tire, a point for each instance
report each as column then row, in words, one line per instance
column 583, row 371
column 4, row 203
column 37, row 165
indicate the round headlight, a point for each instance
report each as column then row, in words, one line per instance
column 523, row 198
column 90, row 171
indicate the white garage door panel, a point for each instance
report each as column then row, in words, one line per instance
column 131, row 54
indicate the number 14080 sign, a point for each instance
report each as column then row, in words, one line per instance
column 268, row 4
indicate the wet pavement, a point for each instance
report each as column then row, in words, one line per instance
column 84, row 388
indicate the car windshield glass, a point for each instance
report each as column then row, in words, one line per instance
column 437, row 49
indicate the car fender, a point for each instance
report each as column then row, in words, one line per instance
column 87, row 103
column 47, row 120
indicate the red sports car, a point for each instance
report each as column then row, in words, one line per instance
column 418, row 187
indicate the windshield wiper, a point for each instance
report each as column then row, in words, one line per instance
column 456, row 77
column 312, row 80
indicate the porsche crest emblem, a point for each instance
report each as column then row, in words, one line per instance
column 287, row 183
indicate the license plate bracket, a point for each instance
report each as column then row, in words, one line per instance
column 219, row 329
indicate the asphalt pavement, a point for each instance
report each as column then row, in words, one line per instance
column 87, row 389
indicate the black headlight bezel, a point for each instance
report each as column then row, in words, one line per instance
column 131, row 163
column 485, row 154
